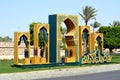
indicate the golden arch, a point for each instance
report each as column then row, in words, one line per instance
column 99, row 35
column 69, row 37
column 37, row 59
column 71, row 21
column 37, row 28
column 93, row 41
column 70, row 26
column 81, row 46
column 17, row 36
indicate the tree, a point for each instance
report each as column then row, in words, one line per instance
column 5, row 39
column 1, row 39
column 115, row 23
column 31, row 29
column 111, row 36
column 95, row 25
column 63, row 32
column 88, row 14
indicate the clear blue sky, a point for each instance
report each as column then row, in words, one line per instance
column 16, row 15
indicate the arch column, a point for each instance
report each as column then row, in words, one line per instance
column 71, row 22
column 37, row 59
column 93, row 37
column 81, row 29
column 17, row 36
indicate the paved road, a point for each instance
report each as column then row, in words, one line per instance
column 111, row 75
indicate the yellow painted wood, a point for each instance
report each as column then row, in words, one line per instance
column 26, row 61
column 17, row 36
column 37, row 28
column 35, row 60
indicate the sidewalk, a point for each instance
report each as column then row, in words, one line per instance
column 59, row 72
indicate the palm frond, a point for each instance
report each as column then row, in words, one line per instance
column 95, row 25
column 88, row 13
column 82, row 16
column 115, row 23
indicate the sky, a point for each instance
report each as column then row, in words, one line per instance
column 17, row 15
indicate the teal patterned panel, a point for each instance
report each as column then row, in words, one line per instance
column 59, row 24
column 59, row 58
column 76, row 33
column 75, row 22
column 77, row 54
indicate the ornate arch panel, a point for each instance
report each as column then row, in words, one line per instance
column 71, row 22
column 17, row 40
column 45, row 57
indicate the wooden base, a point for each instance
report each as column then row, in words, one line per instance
column 70, row 59
column 26, row 61
column 35, row 60
column 43, row 60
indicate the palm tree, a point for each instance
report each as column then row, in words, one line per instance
column 95, row 25
column 63, row 31
column 43, row 41
column 88, row 14
column 115, row 23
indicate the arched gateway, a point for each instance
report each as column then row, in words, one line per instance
column 71, row 37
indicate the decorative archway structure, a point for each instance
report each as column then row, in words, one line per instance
column 41, row 31
column 82, row 44
column 96, row 47
column 84, row 40
column 95, row 43
column 71, row 37
column 18, row 36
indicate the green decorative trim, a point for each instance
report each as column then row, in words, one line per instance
column 95, row 57
column 59, row 44
column 76, row 45
column 76, row 33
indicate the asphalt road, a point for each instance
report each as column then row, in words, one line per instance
column 112, row 75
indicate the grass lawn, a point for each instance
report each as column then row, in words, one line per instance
column 116, row 58
column 5, row 65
